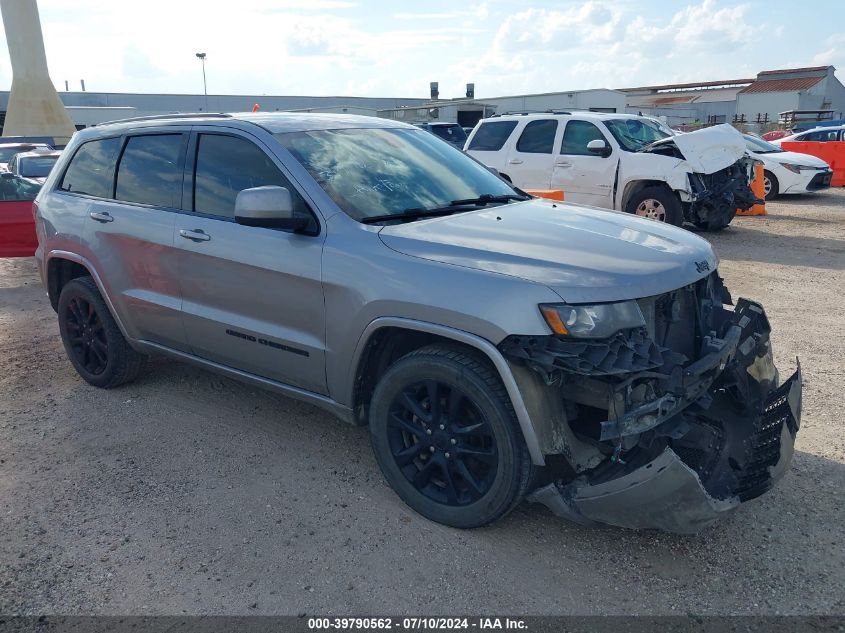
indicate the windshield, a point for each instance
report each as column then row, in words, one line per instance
column 38, row 167
column 372, row 172
column 634, row 134
column 760, row 146
column 452, row 133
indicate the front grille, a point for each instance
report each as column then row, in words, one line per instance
column 820, row 180
column 764, row 450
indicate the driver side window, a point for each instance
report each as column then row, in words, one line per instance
column 576, row 135
column 225, row 166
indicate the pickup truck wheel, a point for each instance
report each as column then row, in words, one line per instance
column 446, row 438
column 93, row 342
column 771, row 186
column 656, row 203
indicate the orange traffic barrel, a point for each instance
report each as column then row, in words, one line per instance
column 759, row 190
column 551, row 194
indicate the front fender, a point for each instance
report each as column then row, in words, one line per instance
column 482, row 345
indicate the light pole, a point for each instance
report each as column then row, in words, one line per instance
column 201, row 57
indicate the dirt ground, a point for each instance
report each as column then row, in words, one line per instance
column 187, row 493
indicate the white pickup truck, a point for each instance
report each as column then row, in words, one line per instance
column 624, row 162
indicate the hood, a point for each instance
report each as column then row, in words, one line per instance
column 710, row 149
column 584, row 254
column 794, row 158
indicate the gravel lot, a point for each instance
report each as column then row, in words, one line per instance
column 187, row 493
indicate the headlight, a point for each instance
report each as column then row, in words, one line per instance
column 796, row 169
column 593, row 321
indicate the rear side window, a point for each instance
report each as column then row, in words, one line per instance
column 538, row 137
column 576, row 135
column 822, row 135
column 90, row 169
column 225, row 166
column 491, row 136
column 451, row 133
column 150, row 172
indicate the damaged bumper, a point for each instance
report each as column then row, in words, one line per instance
column 679, row 442
column 667, row 494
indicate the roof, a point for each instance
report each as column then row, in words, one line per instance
column 781, row 85
column 52, row 153
column 808, row 69
column 698, row 84
column 273, row 122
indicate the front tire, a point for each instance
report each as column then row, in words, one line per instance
column 446, row 438
column 771, row 186
column 656, row 203
column 93, row 342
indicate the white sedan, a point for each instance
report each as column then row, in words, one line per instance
column 788, row 172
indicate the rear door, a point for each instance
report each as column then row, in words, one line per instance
column 253, row 298
column 17, row 224
column 133, row 188
column 585, row 177
column 531, row 159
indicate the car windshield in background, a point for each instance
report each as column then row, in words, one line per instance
column 37, row 167
column 372, row 172
column 452, row 133
column 760, row 146
column 635, row 134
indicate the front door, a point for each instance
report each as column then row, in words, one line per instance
column 252, row 297
column 531, row 159
column 585, row 177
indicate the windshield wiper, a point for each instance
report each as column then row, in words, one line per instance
column 486, row 198
column 410, row 214
column 452, row 207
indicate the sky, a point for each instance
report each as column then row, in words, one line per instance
column 394, row 49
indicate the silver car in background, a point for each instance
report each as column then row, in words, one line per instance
column 497, row 346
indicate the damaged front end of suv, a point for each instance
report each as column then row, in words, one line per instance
column 718, row 182
column 666, row 411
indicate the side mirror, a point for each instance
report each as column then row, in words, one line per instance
column 600, row 147
column 269, row 207
column 493, row 171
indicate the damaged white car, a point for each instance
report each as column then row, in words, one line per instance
column 624, row 162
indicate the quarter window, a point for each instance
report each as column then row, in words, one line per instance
column 225, row 166
column 538, row 137
column 576, row 135
column 150, row 171
column 90, row 169
column 491, row 136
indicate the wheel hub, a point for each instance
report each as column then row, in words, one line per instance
column 652, row 209
column 442, row 444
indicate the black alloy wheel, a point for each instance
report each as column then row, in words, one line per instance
column 86, row 335
column 92, row 339
column 446, row 437
column 442, row 443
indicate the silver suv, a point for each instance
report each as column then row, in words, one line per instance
column 496, row 345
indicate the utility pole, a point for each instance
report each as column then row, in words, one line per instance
column 201, row 57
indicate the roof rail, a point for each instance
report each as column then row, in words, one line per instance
column 527, row 112
column 175, row 115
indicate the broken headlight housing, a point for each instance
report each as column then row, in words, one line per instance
column 598, row 321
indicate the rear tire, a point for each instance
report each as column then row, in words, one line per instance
column 656, row 203
column 93, row 342
column 446, row 438
column 771, row 186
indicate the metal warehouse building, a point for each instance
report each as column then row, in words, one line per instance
column 773, row 96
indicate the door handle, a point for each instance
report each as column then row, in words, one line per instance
column 563, row 163
column 515, row 161
column 100, row 217
column 197, row 235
